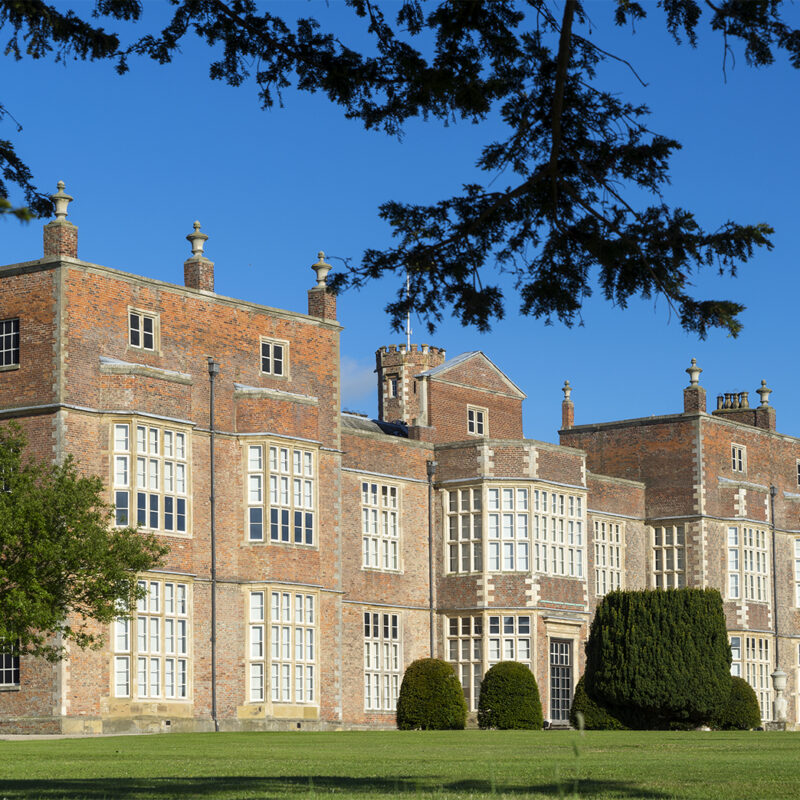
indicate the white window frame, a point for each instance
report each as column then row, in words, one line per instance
column 668, row 553
column 464, row 642
column 383, row 660
column 477, row 421
column 276, row 366
column 609, row 544
column 152, row 648
column 748, row 563
column 9, row 665
column 559, row 546
column 280, row 484
column 508, row 529
column 380, row 526
column 151, row 476
column 138, row 331
column 9, row 343
column 738, row 458
column 290, row 644
column 464, row 513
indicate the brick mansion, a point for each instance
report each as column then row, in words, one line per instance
column 314, row 554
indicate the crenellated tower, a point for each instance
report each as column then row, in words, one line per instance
column 401, row 395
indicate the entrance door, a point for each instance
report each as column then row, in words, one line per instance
column 560, row 680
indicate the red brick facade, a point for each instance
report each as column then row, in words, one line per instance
column 321, row 519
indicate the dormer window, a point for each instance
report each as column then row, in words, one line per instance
column 476, row 421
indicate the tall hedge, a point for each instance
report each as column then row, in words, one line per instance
column 658, row 658
column 509, row 698
column 595, row 717
column 431, row 698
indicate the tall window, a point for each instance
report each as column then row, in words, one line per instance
column 142, row 330
column 281, row 494
column 476, row 421
column 509, row 529
column 465, row 530
column 9, row 343
column 558, row 533
column 152, row 650
column 669, row 557
column 738, row 458
column 383, row 662
column 465, row 653
column 747, row 564
column 274, row 357
column 150, row 477
column 607, row 557
column 292, row 631
column 757, row 672
column 9, row 663
column 380, row 526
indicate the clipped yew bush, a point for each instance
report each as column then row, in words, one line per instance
column 431, row 698
column 595, row 717
column 660, row 658
column 509, row 698
column 741, row 712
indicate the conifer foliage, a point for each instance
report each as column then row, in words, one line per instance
column 659, row 658
column 431, row 698
column 741, row 712
column 509, row 698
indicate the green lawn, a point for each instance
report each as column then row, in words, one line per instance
column 446, row 765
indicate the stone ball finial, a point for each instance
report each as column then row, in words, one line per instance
column 197, row 240
column 567, row 389
column 61, row 200
column 321, row 269
column 764, row 393
column 694, row 373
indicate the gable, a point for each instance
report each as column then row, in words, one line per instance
column 475, row 370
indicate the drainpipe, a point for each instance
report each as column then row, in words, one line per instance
column 778, row 676
column 213, row 371
column 431, row 465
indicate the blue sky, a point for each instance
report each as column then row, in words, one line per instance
column 146, row 154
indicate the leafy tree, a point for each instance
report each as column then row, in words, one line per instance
column 431, row 698
column 62, row 566
column 509, row 698
column 659, row 658
column 579, row 160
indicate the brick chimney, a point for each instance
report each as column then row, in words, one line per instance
column 567, row 408
column 60, row 236
column 694, row 395
column 198, row 271
column 321, row 301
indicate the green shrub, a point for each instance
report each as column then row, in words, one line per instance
column 509, row 698
column 595, row 717
column 659, row 658
column 742, row 712
column 431, row 698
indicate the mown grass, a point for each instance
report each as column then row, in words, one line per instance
column 444, row 765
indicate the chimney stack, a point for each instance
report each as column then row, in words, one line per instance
column 198, row 271
column 60, row 236
column 567, row 408
column 321, row 301
column 694, row 395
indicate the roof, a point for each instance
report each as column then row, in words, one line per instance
column 359, row 423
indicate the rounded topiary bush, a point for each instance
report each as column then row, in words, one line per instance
column 431, row 698
column 742, row 712
column 509, row 698
column 595, row 717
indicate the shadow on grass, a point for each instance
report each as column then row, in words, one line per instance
column 280, row 787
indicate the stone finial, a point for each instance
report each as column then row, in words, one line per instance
column 322, row 269
column 567, row 389
column 197, row 240
column 694, row 373
column 61, row 200
column 764, row 393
